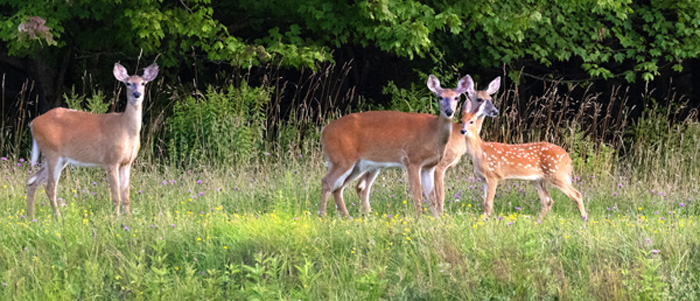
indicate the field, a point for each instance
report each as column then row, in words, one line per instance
column 253, row 233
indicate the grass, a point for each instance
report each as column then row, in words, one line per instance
column 253, row 233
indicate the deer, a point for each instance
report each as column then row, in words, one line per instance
column 110, row 141
column 457, row 146
column 361, row 144
column 542, row 163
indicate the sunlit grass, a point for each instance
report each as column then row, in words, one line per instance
column 246, row 233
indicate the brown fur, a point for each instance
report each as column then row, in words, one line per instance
column 542, row 163
column 110, row 141
column 413, row 140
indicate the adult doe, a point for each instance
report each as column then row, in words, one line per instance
column 360, row 144
column 110, row 141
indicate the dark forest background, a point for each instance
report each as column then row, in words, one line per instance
column 331, row 55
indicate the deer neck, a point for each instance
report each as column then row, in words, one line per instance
column 445, row 129
column 131, row 118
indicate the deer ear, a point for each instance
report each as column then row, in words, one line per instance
column 466, row 84
column 120, row 73
column 494, row 85
column 150, row 73
column 467, row 106
column 434, row 84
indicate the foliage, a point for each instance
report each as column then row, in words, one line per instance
column 95, row 104
column 606, row 38
column 226, row 126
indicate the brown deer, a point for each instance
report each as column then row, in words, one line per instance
column 457, row 147
column 540, row 162
column 360, row 144
column 110, row 141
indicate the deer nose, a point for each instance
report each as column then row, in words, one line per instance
column 137, row 94
column 463, row 131
column 449, row 112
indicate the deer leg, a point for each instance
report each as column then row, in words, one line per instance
column 428, row 186
column 363, row 188
column 564, row 184
column 334, row 182
column 489, row 194
column 113, row 176
column 438, row 195
column 414, row 182
column 124, row 174
column 545, row 198
column 40, row 177
column 54, row 173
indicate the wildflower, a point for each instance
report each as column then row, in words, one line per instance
column 655, row 251
column 201, row 194
column 19, row 164
column 619, row 185
column 235, row 188
column 21, row 216
column 682, row 205
column 500, row 218
column 165, row 183
column 173, row 225
column 3, row 159
column 510, row 224
column 267, row 154
column 195, row 259
column 94, row 183
column 199, row 181
column 615, row 194
column 299, row 155
column 517, row 208
column 295, row 218
column 21, row 159
column 153, row 226
column 139, row 192
column 126, row 228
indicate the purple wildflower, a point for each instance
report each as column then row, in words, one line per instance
column 201, row 194
column 199, row 181
column 126, row 228
column 94, row 183
column 139, row 192
column 173, row 225
column 3, row 159
column 682, row 205
column 517, row 208
column 21, row 159
column 500, row 218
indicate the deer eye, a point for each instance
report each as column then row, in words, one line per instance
column 471, row 121
column 143, row 83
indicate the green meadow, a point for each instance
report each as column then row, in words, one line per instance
column 253, row 233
